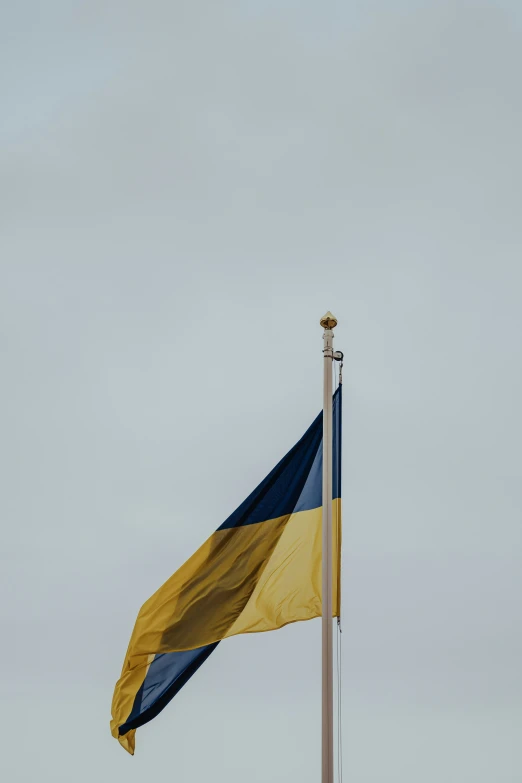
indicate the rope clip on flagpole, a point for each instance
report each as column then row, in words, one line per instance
column 339, row 357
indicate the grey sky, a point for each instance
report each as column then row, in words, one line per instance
column 185, row 188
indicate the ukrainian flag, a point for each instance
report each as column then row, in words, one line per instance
column 259, row 571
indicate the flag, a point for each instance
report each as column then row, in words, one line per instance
column 259, row 571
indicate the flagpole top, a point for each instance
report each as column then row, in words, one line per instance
column 328, row 321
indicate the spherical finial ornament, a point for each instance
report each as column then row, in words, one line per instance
column 328, row 321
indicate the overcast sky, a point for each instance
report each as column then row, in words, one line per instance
column 185, row 188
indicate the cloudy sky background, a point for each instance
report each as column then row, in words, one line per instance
column 185, row 188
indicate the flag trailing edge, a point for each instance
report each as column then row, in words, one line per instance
column 259, row 571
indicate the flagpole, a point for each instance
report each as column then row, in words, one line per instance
column 328, row 322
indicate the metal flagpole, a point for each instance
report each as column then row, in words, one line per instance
column 328, row 322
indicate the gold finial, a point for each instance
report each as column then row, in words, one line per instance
column 328, row 321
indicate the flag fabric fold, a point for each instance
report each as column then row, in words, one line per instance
column 259, row 571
